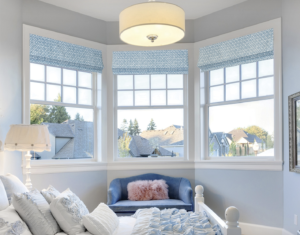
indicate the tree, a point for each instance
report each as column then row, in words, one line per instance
column 130, row 128
column 78, row 117
column 258, row 131
column 270, row 142
column 151, row 125
column 38, row 113
column 232, row 149
column 136, row 128
column 124, row 125
column 58, row 114
column 123, row 145
column 211, row 149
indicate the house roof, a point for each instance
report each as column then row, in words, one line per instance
column 140, row 146
column 81, row 143
column 172, row 135
column 60, row 130
column 239, row 133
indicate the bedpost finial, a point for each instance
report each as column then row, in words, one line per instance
column 232, row 216
column 199, row 191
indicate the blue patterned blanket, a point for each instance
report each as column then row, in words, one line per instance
column 173, row 222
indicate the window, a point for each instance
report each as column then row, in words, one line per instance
column 150, row 116
column 63, row 100
column 240, row 110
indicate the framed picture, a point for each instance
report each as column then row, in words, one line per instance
column 294, row 129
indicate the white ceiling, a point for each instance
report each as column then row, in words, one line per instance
column 109, row 10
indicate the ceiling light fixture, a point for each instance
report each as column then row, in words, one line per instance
column 152, row 24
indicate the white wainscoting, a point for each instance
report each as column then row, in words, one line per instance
column 254, row 229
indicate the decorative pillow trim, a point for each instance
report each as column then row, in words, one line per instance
column 16, row 228
column 75, row 207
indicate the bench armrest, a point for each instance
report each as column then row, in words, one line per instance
column 114, row 192
column 186, row 192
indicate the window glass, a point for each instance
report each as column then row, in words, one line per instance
column 53, row 75
column 145, row 131
column 84, row 79
column 248, row 71
column 125, row 82
column 154, row 133
column 234, row 129
column 71, row 128
column 216, row 77
column 239, row 127
column 37, row 72
column 71, row 131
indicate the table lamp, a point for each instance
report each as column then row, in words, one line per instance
column 28, row 138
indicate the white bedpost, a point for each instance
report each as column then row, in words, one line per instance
column 198, row 197
column 232, row 216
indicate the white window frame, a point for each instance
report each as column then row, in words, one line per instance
column 202, row 160
column 185, row 112
column 66, row 165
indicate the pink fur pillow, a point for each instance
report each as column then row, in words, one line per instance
column 139, row 190
column 145, row 190
column 159, row 190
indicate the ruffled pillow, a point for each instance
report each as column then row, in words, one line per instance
column 140, row 190
column 68, row 210
column 50, row 193
column 159, row 190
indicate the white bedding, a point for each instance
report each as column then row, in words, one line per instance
column 125, row 227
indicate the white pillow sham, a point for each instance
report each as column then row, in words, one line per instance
column 68, row 211
column 3, row 197
column 12, row 185
column 35, row 211
column 50, row 193
column 102, row 221
column 11, row 223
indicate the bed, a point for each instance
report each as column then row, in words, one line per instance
column 228, row 227
column 232, row 215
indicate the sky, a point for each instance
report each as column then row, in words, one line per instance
column 87, row 114
column 163, row 118
column 229, row 117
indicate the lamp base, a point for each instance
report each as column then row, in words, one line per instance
column 28, row 171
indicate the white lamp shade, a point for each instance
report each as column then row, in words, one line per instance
column 164, row 20
column 28, row 138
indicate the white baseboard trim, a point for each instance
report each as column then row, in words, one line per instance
column 284, row 232
column 254, row 229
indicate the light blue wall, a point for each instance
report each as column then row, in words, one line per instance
column 257, row 194
column 10, row 79
column 90, row 187
column 291, row 85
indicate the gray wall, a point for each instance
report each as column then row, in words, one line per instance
column 291, row 85
column 257, row 194
column 10, row 79
column 90, row 187
column 236, row 17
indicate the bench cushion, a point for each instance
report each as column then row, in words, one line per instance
column 132, row 206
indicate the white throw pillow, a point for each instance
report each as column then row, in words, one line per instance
column 12, row 185
column 3, row 197
column 50, row 193
column 68, row 211
column 11, row 223
column 35, row 211
column 102, row 221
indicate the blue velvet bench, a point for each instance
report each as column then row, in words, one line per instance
column 180, row 194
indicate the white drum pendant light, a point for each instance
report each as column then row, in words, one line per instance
column 152, row 24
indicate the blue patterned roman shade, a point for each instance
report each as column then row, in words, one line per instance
column 150, row 62
column 246, row 49
column 62, row 54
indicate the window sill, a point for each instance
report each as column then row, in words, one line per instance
column 251, row 165
column 63, row 166
column 151, row 164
